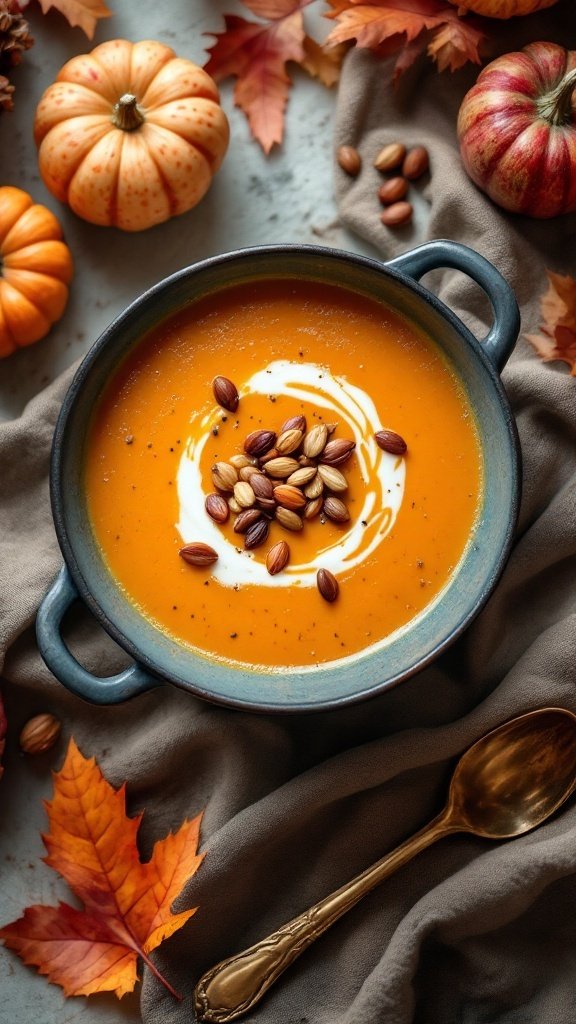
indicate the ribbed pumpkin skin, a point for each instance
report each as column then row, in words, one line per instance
column 35, row 270
column 503, row 8
column 130, row 177
column 518, row 157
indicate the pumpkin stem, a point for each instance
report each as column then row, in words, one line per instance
column 127, row 114
column 556, row 105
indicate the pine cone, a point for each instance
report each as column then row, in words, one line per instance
column 14, row 39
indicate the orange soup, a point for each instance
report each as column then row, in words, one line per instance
column 387, row 527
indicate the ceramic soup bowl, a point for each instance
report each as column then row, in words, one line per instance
column 158, row 656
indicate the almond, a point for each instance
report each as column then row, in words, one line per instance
column 244, row 494
column 288, row 519
column 390, row 441
column 327, row 585
column 256, row 534
column 233, row 505
column 302, row 476
column 277, row 558
column 39, row 734
column 397, row 214
column 281, row 467
column 225, row 393
column 259, row 442
column 416, row 163
column 315, row 488
column 217, row 508
column 392, row 190
column 390, row 156
column 349, row 160
column 289, row 497
column 336, row 510
column 246, row 519
column 294, row 423
column 262, row 486
column 315, row 440
column 338, row 451
column 313, row 508
column 247, row 472
column 224, row 476
column 333, row 479
column 198, row 553
column 289, row 440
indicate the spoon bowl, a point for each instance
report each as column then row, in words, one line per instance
column 516, row 776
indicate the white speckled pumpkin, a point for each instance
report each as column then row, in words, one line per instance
column 130, row 134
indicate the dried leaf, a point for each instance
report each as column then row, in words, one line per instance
column 410, row 26
column 92, row 844
column 256, row 53
column 557, row 340
column 323, row 62
column 84, row 13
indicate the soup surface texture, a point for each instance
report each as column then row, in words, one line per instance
column 291, row 348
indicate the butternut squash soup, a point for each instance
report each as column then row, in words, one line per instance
column 283, row 474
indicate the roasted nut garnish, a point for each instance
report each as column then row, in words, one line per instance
column 315, row 440
column 416, row 163
column 217, row 508
column 338, row 451
column 397, row 214
column 315, row 488
column 294, row 423
column 225, row 393
column 39, row 734
column 262, row 486
column 277, row 558
column 288, row 441
column 247, row 472
column 198, row 553
column 302, row 476
column 246, row 519
column 224, row 476
column 244, row 494
column 289, row 497
column 241, row 461
column 233, row 505
column 288, row 519
column 259, row 442
column 390, row 441
column 313, row 508
column 327, row 585
column 333, row 478
column 256, row 534
column 393, row 190
column 336, row 510
column 282, row 467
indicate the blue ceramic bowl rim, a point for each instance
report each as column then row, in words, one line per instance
column 74, row 395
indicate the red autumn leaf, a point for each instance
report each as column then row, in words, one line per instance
column 256, row 53
column 84, row 13
column 127, row 904
column 409, row 26
column 557, row 338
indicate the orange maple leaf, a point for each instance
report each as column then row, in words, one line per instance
column 410, row 26
column 92, row 844
column 323, row 62
column 84, row 13
column 256, row 53
column 557, row 340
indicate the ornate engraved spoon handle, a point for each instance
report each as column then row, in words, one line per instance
column 234, row 986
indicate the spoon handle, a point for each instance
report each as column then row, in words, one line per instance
column 236, row 985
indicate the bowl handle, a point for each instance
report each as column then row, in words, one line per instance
column 501, row 338
column 97, row 689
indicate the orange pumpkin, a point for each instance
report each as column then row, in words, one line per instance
column 35, row 268
column 502, row 8
column 130, row 134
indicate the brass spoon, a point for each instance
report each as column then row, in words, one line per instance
column 508, row 782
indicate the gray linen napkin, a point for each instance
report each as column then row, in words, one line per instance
column 470, row 932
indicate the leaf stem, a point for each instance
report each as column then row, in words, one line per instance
column 160, row 977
